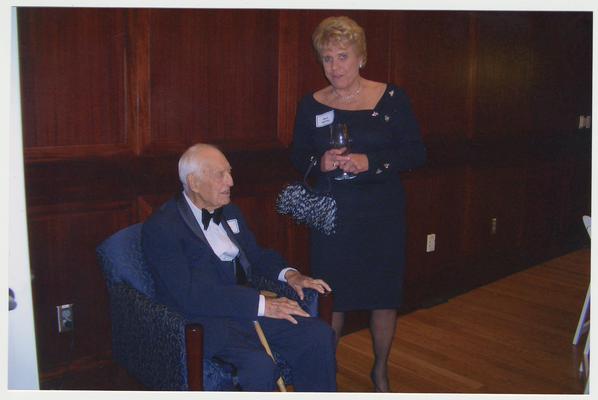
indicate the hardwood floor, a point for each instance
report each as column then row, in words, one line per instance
column 511, row 336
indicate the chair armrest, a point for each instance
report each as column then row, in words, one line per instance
column 148, row 339
column 325, row 303
column 313, row 303
column 282, row 289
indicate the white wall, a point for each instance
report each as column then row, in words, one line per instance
column 22, row 356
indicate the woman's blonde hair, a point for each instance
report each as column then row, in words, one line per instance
column 342, row 31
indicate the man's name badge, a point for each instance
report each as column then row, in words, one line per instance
column 234, row 225
column 324, row 119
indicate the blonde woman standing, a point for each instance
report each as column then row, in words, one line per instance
column 364, row 260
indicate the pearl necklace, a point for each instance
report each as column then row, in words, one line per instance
column 348, row 98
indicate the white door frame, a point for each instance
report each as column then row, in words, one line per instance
column 22, row 355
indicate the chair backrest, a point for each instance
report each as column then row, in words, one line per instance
column 122, row 260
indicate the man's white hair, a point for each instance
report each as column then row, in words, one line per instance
column 189, row 163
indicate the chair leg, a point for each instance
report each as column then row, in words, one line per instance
column 586, row 357
column 325, row 303
column 587, row 388
column 584, row 365
column 582, row 325
column 194, row 343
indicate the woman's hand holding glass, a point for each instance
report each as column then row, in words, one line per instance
column 341, row 139
column 333, row 159
column 354, row 163
column 340, row 156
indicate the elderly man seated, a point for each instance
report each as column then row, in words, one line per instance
column 201, row 252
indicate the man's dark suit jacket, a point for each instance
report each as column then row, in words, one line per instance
column 192, row 280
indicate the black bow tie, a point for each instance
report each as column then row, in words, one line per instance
column 206, row 216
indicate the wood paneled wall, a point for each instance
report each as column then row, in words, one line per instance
column 110, row 97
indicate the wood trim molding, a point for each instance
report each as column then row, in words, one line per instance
column 137, row 79
column 287, row 71
column 62, row 153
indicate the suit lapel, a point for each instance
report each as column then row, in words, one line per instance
column 191, row 222
column 189, row 219
column 244, row 261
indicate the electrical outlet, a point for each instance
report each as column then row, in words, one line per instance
column 431, row 243
column 65, row 318
column 493, row 226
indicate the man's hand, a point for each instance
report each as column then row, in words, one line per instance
column 298, row 281
column 283, row 308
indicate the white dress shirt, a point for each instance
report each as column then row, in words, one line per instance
column 224, row 248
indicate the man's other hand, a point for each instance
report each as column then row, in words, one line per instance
column 298, row 281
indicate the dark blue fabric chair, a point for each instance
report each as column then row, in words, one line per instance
column 156, row 345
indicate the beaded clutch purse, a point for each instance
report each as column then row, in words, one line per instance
column 308, row 206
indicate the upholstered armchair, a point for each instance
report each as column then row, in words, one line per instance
column 158, row 346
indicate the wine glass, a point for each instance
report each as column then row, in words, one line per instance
column 339, row 138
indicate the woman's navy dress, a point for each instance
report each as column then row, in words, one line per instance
column 364, row 260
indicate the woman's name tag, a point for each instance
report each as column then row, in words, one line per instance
column 324, row 119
